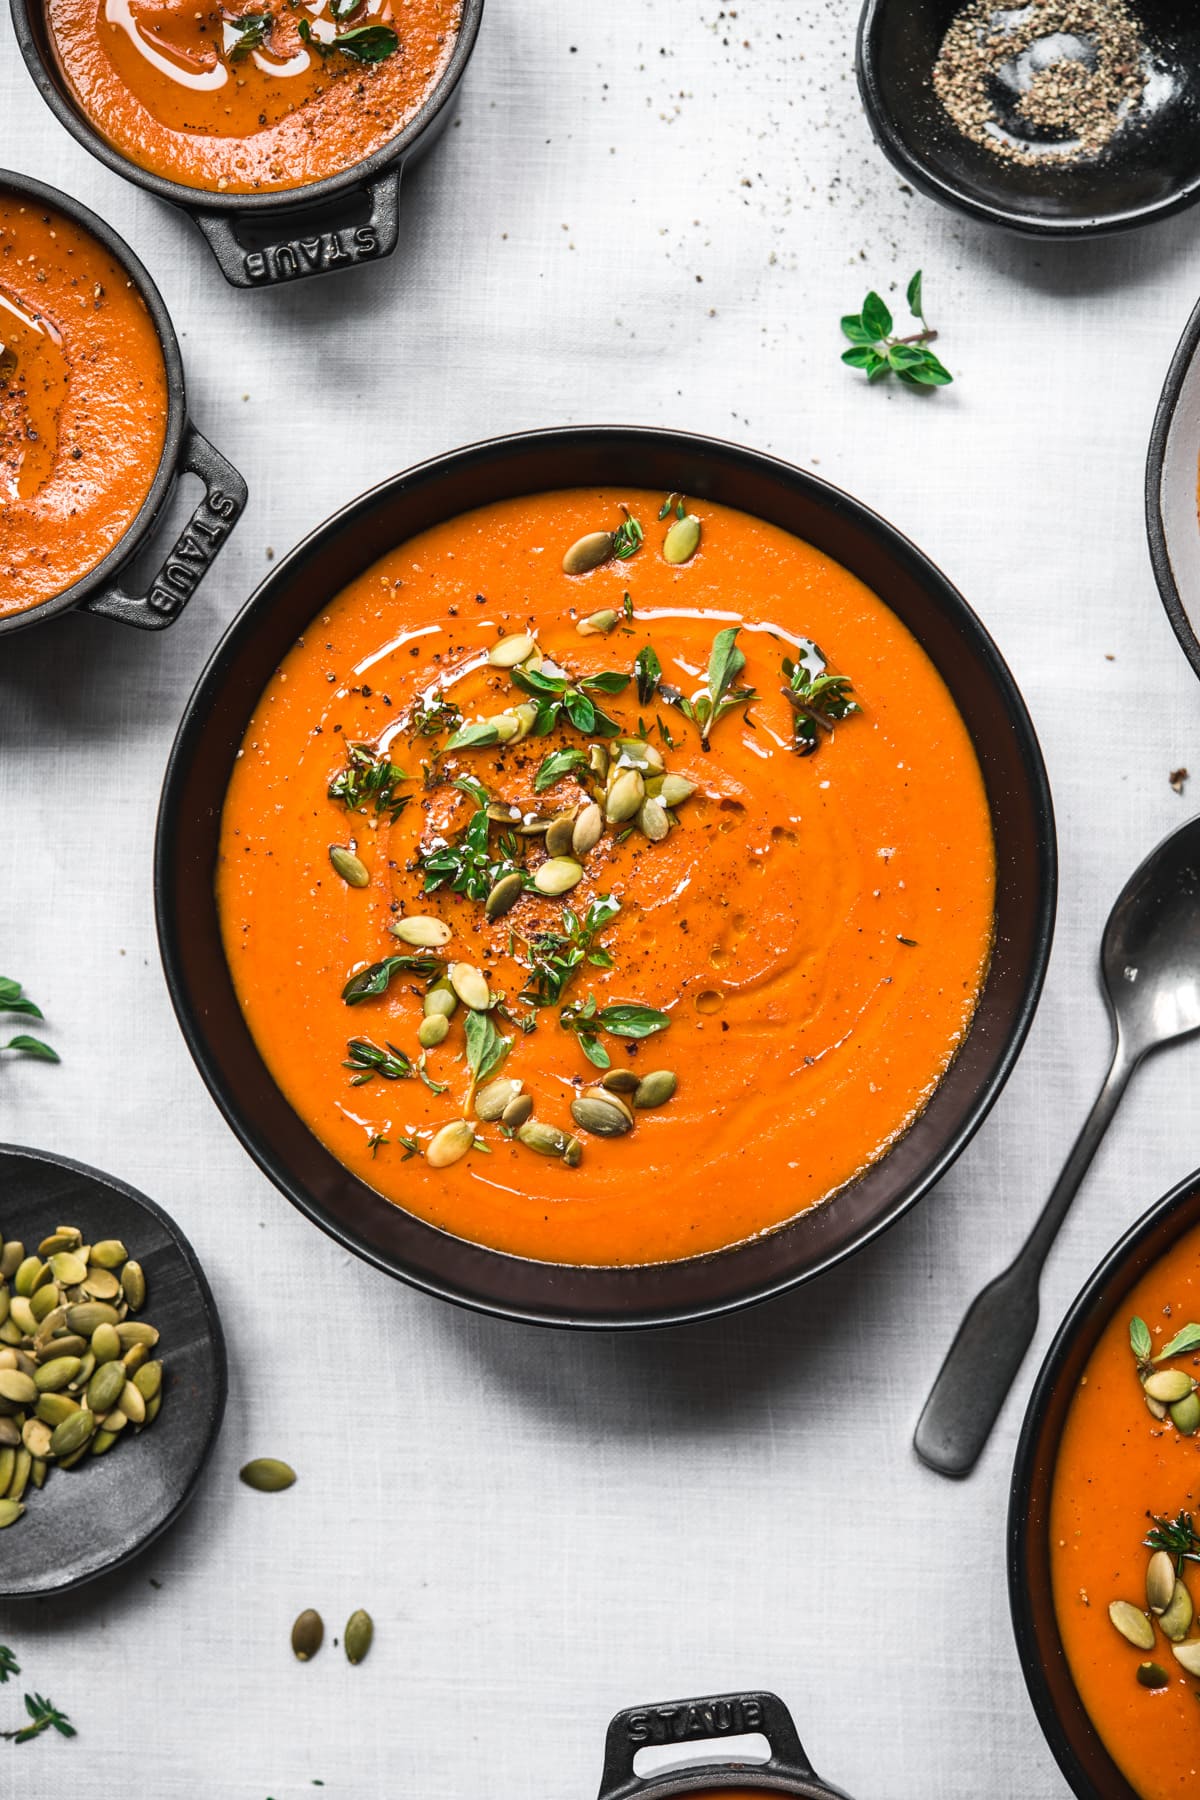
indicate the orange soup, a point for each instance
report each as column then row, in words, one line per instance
column 1125, row 1582
column 83, row 403
column 596, row 916
column 255, row 96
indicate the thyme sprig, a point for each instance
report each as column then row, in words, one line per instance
column 879, row 354
column 14, row 999
column 368, row 1060
column 647, row 672
column 467, row 864
column 369, row 779
column 818, row 700
column 43, row 1715
column 555, row 958
column 1176, row 1536
column 433, row 715
column 722, row 693
column 624, row 1019
column 628, row 537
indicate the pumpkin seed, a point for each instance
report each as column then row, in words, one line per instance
column 503, row 812
column 38, row 1470
column 450, row 1144
column 508, row 726
column 511, row 650
column 1133, row 1624
column 66, row 1237
column 654, row 1089
column 491, row 1099
column 66, row 1343
column 587, row 830
column 10, row 1432
column 517, row 1111
column 1153, row 1675
column 17, row 1388
column 682, row 540
column 72, row 1434
column 588, row 552
column 114, row 1420
column 267, row 1475
column 101, row 1284
column 433, row 1031
column 602, row 1114
column 10, row 1512
column 30, row 1276
column 308, row 1634
column 103, row 1440
column 152, row 1408
column 1185, row 1414
column 88, row 1314
column 352, row 869
column 530, row 828
column 22, row 1465
column 11, row 1258
column 148, row 1380
column 360, row 1630
column 573, row 1154
column 560, row 834
column 625, row 796
column 106, row 1386
column 441, row 998
column 1176, row 1621
column 654, row 820
column 21, row 1317
column 675, row 790
column 68, row 1268
column 106, row 1345
column 132, row 1404
column 621, row 1081
column 8, row 1463
column 470, row 984
column 133, row 1358
column 54, row 1409
column 1188, row 1655
column 35, row 1435
column 133, row 1285
column 423, row 932
column 1160, row 1581
column 525, row 714
column 44, row 1301
column 598, row 760
column 547, row 1140
column 505, row 894
column 557, row 875
column 110, row 1253
column 56, row 1374
column 598, row 624
column 1167, row 1385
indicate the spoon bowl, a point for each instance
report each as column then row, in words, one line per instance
column 1150, row 953
column 1149, row 168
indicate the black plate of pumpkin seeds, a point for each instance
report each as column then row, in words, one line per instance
column 104, row 1282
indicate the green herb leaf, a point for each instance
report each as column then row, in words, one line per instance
column 627, row 538
column 629, row 1020
column 648, row 673
column 31, row 1046
column 1184, row 1340
column 368, row 1060
column 876, row 318
column 930, row 372
column 608, row 681
column 430, row 717
column 375, row 979
column 818, row 700
column 554, row 766
column 43, row 1715
column 863, row 356
column 369, row 778
column 556, row 957
column 8, row 1664
column 468, row 864
column 879, row 354
column 365, row 43
column 251, row 33
column 13, row 999
column 486, row 1047
column 479, row 736
column 1140, row 1341
column 1176, row 1536
column 913, row 296
column 855, row 330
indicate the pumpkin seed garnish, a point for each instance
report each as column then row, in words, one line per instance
column 1160, row 1582
column 267, row 1475
column 654, row 1089
column 598, row 624
column 1167, row 1385
column 560, row 834
column 1133, row 1624
column 358, row 1635
column 588, row 552
column 511, row 650
column 557, row 876
column 682, row 540
column 433, row 1031
column 504, row 896
column 308, row 1634
column 1176, row 1621
column 1188, row 1655
column 450, row 1144
column 601, row 1113
column 1153, row 1675
column 351, row 868
column 423, row 932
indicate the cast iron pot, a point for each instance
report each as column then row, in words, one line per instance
column 1090, row 1770
column 1172, row 463
column 707, row 1721
column 212, row 731
column 260, row 240
column 184, row 452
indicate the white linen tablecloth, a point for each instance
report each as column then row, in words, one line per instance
column 645, row 212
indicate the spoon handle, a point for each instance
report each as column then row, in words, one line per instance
column 982, row 1362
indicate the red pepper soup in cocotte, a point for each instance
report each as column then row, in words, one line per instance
column 264, row 95
column 580, row 903
column 1124, row 1537
column 83, row 402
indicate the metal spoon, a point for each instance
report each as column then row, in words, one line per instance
column 1150, row 970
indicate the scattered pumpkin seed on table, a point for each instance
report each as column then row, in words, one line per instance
column 267, row 1474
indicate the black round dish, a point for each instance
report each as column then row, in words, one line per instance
column 1172, row 467
column 707, row 1721
column 209, row 740
column 260, row 240
column 1147, row 171
column 1069, row 1731
column 88, row 1521
column 184, row 452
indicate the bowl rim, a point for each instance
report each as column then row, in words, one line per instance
column 279, row 200
column 189, row 1012
column 12, row 181
column 1093, row 1306
column 904, row 158
column 1183, row 357
column 220, row 1364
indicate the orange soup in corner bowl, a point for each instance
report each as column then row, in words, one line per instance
column 251, row 98
column 83, row 402
column 607, row 879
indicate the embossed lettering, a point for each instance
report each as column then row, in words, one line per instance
column 256, row 265
column 366, row 240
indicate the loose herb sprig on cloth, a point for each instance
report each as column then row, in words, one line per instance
column 818, row 700
column 879, row 354
column 43, row 1715
column 722, row 694
column 369, row 778
column 625, row 1019
column 8, row 1664
column 556, row 957
column 13, row 999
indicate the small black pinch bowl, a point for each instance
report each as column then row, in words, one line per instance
column 209, row 741
column 1149, row 169
column 91, row 1519
column 1074, row 1740
column 185, row 451
column 262, row 240
column 1172, row 472
column 702, row 1724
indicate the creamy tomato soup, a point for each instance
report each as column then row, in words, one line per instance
column 691, row 915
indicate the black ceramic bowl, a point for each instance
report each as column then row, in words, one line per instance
column 704, row 1723
column 184, row 452
column 260, row 240
column 90, row 1520
column 209, row 740
column 1149, row 168
column 1172, row 471
column 1081, row 1756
